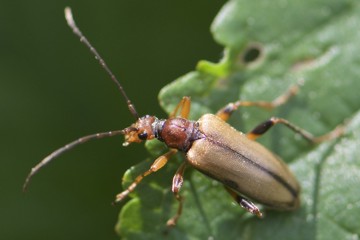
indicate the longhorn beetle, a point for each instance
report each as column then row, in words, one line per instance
column 243, row 166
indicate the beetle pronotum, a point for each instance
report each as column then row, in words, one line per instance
column 246, row 168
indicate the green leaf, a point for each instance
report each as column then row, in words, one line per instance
column 269, row 46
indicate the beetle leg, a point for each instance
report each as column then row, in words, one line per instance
column 158, row 164
column 183, row 106
column 245, row 203
column 176, row 185
column 226, row 111
column 265, row 126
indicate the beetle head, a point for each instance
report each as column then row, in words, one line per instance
column 141, row 130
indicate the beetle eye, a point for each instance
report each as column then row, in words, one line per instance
column 143, row 136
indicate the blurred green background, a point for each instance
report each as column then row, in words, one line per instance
column 52, row 91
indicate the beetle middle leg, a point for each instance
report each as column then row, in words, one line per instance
column 158, row 164
column 245, row 203
column 226, row 111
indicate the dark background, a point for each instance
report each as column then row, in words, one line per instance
column 52, row 91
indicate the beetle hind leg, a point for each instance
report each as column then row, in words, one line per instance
column 245, row 203
column 265, row 126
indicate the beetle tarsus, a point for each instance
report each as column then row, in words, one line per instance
column 172, row 221
column 121, row 196
column 249, row 206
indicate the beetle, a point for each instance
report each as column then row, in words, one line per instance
column 246, row 168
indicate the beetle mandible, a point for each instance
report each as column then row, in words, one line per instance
column 212, row 146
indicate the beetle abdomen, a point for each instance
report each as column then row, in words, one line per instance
column 243, row 165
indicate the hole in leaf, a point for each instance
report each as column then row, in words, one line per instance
column 251, row 54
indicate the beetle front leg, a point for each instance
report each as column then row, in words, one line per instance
column 184, row 108
column 226, row 111
column 265, row 126
column 158, row 164
column 245, row 203
column 178, row 180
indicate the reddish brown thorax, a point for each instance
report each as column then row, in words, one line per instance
column 179, row 133
column 176, row 133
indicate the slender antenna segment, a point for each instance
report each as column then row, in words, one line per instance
column 67, row 147
column 70, row 21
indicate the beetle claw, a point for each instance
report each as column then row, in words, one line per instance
column 258, row 213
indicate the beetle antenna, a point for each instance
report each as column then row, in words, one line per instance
column 70, row 21
column 67, row 147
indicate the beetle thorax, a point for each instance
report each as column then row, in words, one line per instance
column 178, row 133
